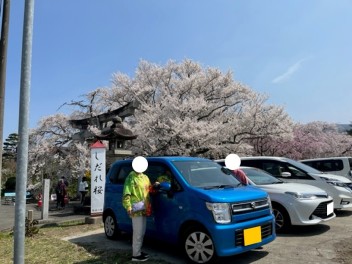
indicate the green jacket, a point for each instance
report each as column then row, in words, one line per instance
column 136, row 189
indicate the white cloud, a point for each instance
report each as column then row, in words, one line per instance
column 289, row 72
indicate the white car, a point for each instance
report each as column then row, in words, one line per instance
column 333, row 165
column 293, row 203
column 338, row 187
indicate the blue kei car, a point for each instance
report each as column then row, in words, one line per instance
column 203, row 208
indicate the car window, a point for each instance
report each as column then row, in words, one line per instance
column 276, row 168
column 250, row 163
column 327, row 165
column 222, row 163
column 205, row 174
column 122, row 173
column 156, row 169
column 272, row 167
column 302, row 166
column 119, row 174
column 260, row 177
column 295, row 171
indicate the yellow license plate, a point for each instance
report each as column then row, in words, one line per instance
column 252, row 235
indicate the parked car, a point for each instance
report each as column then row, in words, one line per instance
column 202, row 209
column 293, row 203
column 338, row 187
column 334, row 165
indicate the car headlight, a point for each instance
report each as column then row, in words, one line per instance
column 270, row 205
column 338, row 184
column 335, row 182
column 221, row 212
column 303, row 196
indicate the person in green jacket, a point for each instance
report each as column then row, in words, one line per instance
column 136, row 201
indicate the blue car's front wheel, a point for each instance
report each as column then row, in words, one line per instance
column 199, row 246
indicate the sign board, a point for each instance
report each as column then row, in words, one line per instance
column 98, row 170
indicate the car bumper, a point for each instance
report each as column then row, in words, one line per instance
column 231, row 239
column 342, row 202
column 306, row 211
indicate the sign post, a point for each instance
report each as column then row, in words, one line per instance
column 98, row 170
column 45, row 205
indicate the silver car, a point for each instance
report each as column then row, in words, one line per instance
column 293, row 203
column 338, row 187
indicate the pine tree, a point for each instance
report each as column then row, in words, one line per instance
column 10, row 147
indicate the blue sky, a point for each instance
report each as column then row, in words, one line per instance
column 297, row 52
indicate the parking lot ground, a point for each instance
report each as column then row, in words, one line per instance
column 326, row 243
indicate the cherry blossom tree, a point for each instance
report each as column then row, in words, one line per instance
column 189, row 110
column 312, row 140
column 183, row 109
column 53, row 153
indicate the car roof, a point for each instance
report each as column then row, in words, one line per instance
column 264, row 157
column 257, row 157
column 168, row 158
column 313, row 159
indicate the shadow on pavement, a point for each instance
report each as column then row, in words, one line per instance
column 305, row 231
column 343, row 213
column 97, row 244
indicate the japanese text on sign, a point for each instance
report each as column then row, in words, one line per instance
column 97, row 179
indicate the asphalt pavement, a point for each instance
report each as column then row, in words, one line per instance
column 327, row 243
column 70, row 213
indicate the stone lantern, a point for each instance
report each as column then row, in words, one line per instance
column 110, row 128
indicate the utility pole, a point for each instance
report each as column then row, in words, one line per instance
column 3, row 60
column 23, row 124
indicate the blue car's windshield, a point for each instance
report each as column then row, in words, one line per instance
column 205, row 174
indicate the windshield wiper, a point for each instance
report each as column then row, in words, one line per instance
column 223, row 186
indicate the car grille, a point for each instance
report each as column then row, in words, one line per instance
column 321, row 210
column 250, row 206
column 266, row 231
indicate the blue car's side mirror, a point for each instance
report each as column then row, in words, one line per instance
column 165, row 186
